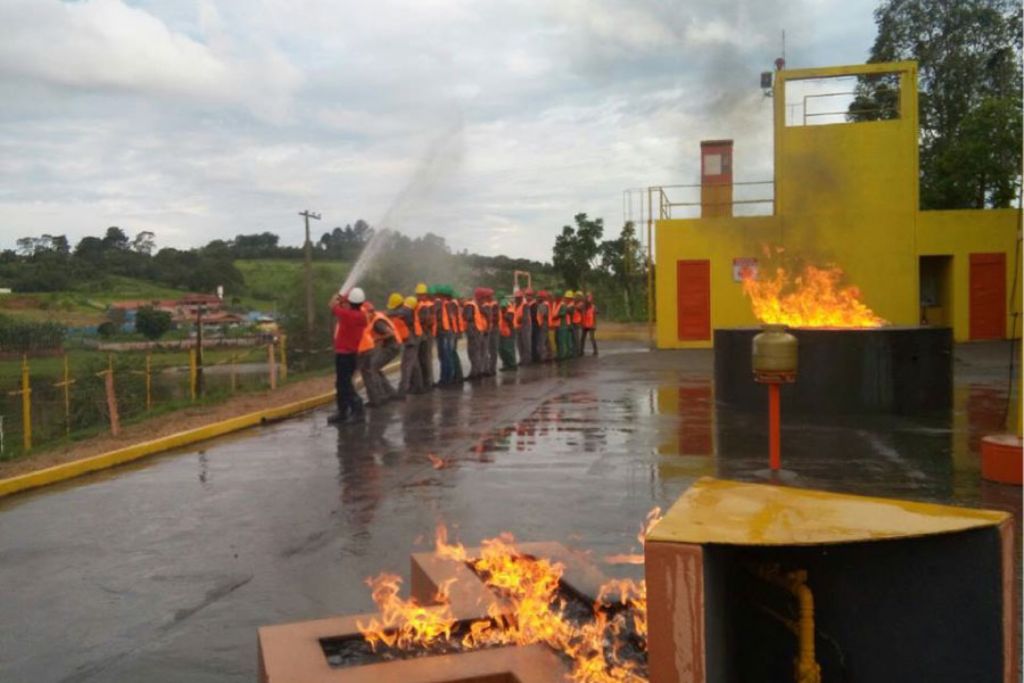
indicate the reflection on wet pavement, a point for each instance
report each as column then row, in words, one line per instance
column 163, row 570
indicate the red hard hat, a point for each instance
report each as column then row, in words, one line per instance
column 480, row 292
column 528, row 291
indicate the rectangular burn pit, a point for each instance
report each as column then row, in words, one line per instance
column 895, row 370
column 334, row 650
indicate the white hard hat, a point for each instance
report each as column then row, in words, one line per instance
column 356, row 295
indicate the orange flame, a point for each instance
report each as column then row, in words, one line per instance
column 814, row 298
column 531, row 611
column 405, row 623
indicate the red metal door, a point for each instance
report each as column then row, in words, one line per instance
column 988, row 296
column 693, row 293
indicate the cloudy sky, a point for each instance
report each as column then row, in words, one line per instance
column 490, row 122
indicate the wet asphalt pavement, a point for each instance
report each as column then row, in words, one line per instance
column 163, row 570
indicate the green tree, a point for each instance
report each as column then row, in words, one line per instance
column 151, row 322
column 623, row 261
column 969, row 74
column 576, row 248
column 115, row 239
column 144, row 243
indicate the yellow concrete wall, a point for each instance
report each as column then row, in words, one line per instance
column 961, row 233
column 847, row 194
column 719, row 240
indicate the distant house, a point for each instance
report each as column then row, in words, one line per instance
column 182, row 310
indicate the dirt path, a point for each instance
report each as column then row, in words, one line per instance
column 181, row 420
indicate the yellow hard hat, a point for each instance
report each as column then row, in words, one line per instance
column 395, row 300
column 568, row 294
column 421, row 288
column 410, row 301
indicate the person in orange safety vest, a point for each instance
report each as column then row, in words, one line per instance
column 428, row 324
column 524, row 318
column 476, row 330
column 377, row 347
column 403, row 315
column 589, row 324
column 577, row 323
column 507, row 330
column 491, row 339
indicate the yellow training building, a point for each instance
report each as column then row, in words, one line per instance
column 846, row 193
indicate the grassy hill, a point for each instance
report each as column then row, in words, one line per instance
column 274, row 279
column 84, row 305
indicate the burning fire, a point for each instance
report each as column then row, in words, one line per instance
column 404, row 623
column 814, row 298
column 531, row 611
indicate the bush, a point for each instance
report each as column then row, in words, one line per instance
column 21, row 335
column 107, row 329
column 152, row 323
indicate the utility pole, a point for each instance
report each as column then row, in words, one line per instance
column 307, row 214
column 200, row 383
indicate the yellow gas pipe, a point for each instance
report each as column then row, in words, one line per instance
column 806, row 668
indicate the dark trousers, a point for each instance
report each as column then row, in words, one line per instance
column 507, row 349
column 445, row 341
column 588, row 332
column 426, row 351
column 348, row 399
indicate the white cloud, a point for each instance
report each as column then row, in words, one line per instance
column 201, row 119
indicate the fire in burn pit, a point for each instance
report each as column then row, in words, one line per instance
column 604, row 642
column 815, row 297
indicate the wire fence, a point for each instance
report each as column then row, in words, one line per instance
column 48, row 399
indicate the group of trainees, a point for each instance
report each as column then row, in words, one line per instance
column 529, row 327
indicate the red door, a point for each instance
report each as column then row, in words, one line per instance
column 693, row 292
column 988, row 296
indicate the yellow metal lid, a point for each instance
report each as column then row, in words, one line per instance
column 735, row 513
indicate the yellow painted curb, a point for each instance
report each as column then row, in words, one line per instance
column 76, row 468
column 68, row 470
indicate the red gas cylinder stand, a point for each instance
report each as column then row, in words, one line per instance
column 774, row 382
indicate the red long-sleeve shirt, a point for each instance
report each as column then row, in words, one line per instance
column 349, row 325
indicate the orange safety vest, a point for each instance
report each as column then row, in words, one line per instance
column 479, row 321
column 460, row 318
column 488, row 308
column 401, row 328
column 417, row 327
column 367, row 341
column 503, row 326
column 431, row 320
column 554, row 311
column 392, row 331
column 589, row 316
column 446, row 323
column 518, row 321
column 577, row 316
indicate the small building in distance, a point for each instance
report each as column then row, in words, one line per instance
column 845, row 193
